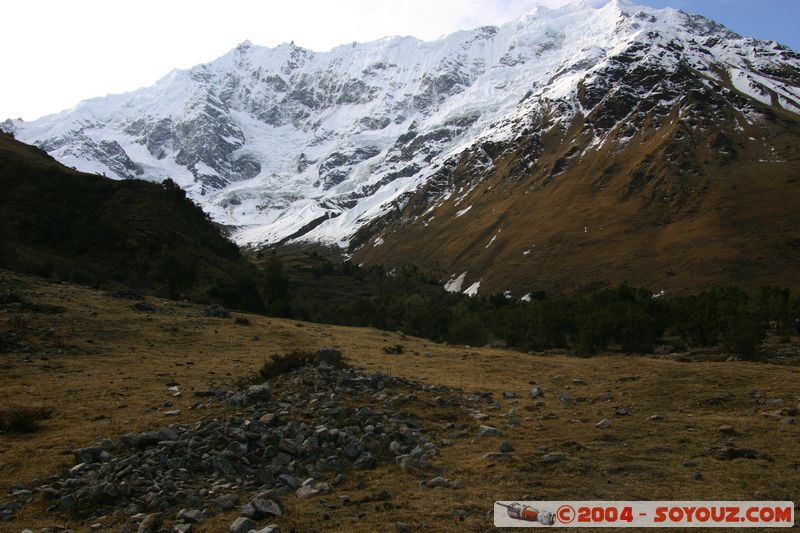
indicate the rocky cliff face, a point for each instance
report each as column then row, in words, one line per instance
column 376, row 146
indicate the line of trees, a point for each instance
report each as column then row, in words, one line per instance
column 625, row 318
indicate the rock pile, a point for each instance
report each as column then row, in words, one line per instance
column 298, row 434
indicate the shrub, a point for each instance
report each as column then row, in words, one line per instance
column 743, row 336
column 23, row 419
column 397, row 349
column 280, row 364
column 469, row 330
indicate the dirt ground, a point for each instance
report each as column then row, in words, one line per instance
column 104, row 370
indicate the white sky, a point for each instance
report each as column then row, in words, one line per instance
column 56, row 53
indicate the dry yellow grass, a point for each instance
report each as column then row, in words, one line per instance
column 107, row 369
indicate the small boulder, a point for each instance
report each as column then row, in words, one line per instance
column 151, row 523
column 552, row 457
column 489, row 431
column 216, row 311
column 329, row 356
column 242, row 525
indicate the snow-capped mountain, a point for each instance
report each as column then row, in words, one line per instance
column 288, row 144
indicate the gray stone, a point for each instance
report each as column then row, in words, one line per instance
column 306, row 491
column 489, row 431
column 365, row 461
column 242, row 525
column 66, row 503
column 194, row 516
column 497, row 455
column 91, row 455
column 412, row 464
column 552, row 457
column 266, row 507
column 507, row 447
column 272, row 528
column 604, row 424
column 151, row 523
column 289, row 481
column 227, row 502
column 353, row 449
column 288, row 446
column 441, row 482
column 537, row 392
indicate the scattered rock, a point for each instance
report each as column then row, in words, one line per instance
column 268, row 418
column 127, row 294
column 194, row 516
column 604, row 424
column 93, row 454
column 441, row 482
column 552, row 457
column 272, row 528
column 412, row 464
column 489, row 431
column 537, row 392
column 242, row 525
column 216, row 311
column 145, row 307
column 306, row 491
column 151, row 523
column 253, row 394
column 265, row 507
column 507, row 447
column 497, row 455
column 729, row 452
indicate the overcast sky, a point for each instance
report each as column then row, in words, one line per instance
column 56, row 53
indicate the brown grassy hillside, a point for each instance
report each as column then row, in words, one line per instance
column 104, row 370
column 675, row 199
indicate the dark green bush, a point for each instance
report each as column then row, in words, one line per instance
column 468, row 330
column 23, row 419
column 280, row 364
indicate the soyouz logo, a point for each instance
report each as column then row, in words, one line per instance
column 644, row 514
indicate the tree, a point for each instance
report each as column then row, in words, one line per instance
column 276, row 288
column 178, row 271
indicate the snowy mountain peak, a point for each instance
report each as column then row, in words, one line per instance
column 285, row 143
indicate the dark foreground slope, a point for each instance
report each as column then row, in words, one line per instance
column 62, row 224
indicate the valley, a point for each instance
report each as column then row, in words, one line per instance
column 677, row 427
column 382, row 286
